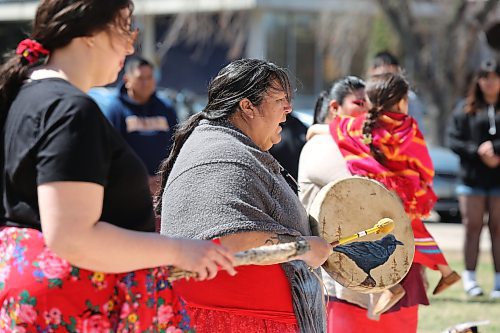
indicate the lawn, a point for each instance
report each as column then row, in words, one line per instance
column 453, row 307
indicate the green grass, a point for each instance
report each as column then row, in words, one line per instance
column 453, row 307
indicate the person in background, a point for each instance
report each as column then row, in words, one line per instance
column 321, row 162
column 316, row 167
column 474, row 136
column 386, row 62
column 77, row 242
column 293, row 138
column 386, row 145
column 221, row 183
column 145, row 121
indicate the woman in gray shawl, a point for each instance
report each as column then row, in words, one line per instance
column 220, row 183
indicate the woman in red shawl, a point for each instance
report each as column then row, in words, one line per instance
column 386, row 145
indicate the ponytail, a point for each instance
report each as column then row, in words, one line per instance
column 12, row 75
column 384, row 92
column 368, row 126
column 15, row 71
column 181, row 135
column 321, row 108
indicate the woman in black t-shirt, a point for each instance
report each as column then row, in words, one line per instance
column 77, row 242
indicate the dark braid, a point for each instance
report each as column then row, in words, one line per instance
column 384, row 92
column 368, row 126
column 321, row 108
column 245, row 78
column 180, row 136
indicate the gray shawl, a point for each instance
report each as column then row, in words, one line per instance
column 221, row 184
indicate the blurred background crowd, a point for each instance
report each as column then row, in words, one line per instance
column 439, row 44
column 448, row 50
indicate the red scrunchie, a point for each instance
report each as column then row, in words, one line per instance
column 31, row 50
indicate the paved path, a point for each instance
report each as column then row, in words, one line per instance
column 450, row 236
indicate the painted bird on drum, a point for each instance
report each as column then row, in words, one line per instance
column 370, row 255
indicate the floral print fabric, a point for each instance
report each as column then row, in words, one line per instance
column 40, row 292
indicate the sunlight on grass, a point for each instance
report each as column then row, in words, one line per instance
column 453, row 307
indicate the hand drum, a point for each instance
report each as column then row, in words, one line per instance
column 377, row 261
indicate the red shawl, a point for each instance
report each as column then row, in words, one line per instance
column 407, row 168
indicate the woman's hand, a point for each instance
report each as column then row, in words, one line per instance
column 487, row 154
column 486, row 149
column 319, row 253
column 202, row 257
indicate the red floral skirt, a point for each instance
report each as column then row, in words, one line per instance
column 40, row 292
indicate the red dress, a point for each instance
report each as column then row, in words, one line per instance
column 257, row 299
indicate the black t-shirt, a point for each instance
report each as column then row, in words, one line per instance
column 55, row 132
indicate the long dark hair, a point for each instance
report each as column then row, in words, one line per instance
column 56, row 23
column 245, row 78
column 384, row 91
column 475, row 97
column 339, row 90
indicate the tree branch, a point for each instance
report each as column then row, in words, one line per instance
column 489, row 6
column 458, row 17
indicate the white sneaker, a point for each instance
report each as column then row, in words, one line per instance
column 475, row 291
column 495, row 294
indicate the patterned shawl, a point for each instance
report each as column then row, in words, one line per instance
column 407, row 168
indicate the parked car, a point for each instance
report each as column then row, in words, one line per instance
column 446, row 166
